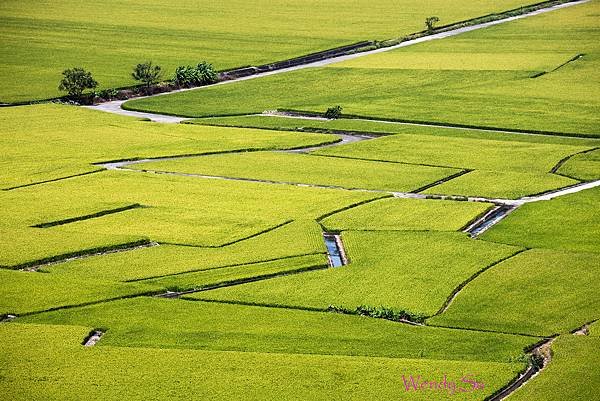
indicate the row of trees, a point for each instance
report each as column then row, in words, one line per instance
column 76, row 80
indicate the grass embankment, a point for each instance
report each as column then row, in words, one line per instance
column 570, row 376
column 192, row 325
column 585, row 166
column 505, row 165
column 481, row 78
column 25, row 292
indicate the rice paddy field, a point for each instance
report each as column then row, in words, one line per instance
column 481, row 78
column 440, row 240
column 38, row 41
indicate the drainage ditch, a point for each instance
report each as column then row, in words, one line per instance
column 92, row 338
column 335, row 250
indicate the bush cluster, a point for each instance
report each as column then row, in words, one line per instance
column 201, row 74
column 381, row 312
column 334, row 112
column 76, row 80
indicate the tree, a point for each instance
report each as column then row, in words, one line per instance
column 430, row 23
column 147, row 73
column 334, row 112
column 76, row 80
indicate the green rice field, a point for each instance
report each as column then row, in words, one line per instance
column 440, row 240
column 38, row 42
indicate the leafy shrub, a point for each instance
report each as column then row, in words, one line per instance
column 202, row 74
column 207, row 73
column 381, row 312
column 106, row 94
column 147, row 73
column 76, row 80
column 334, row 112
column 430, row 23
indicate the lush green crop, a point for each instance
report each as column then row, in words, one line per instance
column 499, row 184
column 539, row 292
column 384, row 127
column 307, row 169
column 406, row 214
column 24, row 292
column 571, row 375
column 37, row 43
column 467, row 86
column 503, row 168
column 583, row 167
column 216, row 212
column 568, row 222
column 72, row 372
column 67, row 285
column 293, row 239
column 461, row 152
column 46, row 142
column 398, row 270
column 193, row 325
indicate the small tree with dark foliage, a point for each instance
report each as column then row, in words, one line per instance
column 430, row 23
column 76, row 80
column 334, row 112
column 147, row 73
column 207, row 73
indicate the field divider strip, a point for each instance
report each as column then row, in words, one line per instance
column 440, row 124
column 226, row 244
column 389, row 161
column 232, row 283
column 85, row 253
column 462, row 285
column 575, row 58
column 88, row 216
column 135, row 280
column 53, row 180
column 443, row 180
column 540, row 356
column 348, row 207
column 257, row 304
column 90, row 303
column 561, row 162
